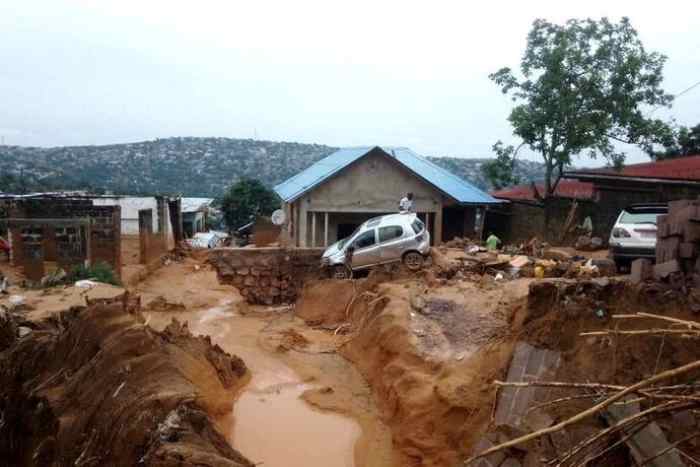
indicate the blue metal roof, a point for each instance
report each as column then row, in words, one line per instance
column 445, row 181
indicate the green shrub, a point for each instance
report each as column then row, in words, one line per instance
column 100, row 272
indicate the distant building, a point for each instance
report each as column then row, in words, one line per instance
column 328, row 200
column 662, row 181
column 529, row 192
column 195, row 212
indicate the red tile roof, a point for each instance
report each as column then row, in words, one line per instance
column 681, row 168
column 566, row 189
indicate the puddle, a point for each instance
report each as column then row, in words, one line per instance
column 270, row 424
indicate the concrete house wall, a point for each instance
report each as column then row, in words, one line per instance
column 371, row 186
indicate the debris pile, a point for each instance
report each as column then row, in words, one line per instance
column 533, row 259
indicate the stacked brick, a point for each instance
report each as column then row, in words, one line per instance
column 678, row 239
column 267, row 276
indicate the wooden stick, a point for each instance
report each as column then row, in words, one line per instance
column 613, row 429
column 681, row 332
column 592, row 411
column 641, row 314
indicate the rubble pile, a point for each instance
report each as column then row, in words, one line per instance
column 533, row 259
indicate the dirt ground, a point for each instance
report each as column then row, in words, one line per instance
column 387, row 371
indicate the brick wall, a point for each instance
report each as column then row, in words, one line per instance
column 65, row 231
column 267, row 275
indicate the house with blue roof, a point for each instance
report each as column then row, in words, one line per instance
column 330, row 199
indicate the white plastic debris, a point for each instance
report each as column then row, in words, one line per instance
column 499, row 276
column 86, row 284
column 17, row 300
column 23, row 331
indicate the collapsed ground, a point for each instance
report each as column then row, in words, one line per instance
column 411, row 358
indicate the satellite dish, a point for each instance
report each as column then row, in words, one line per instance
column 278, row 217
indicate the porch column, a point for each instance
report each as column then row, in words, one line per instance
column 325, row 229
column 313, row 229
column 303, row 225
column 427, row 226
column 438, row 226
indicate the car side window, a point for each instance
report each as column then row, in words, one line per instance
column 389, row 233
column 366, row 239
column 417, row 225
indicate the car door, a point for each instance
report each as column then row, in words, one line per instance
column 392, row 243
column 365, row 249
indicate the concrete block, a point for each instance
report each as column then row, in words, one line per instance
column 675, row 206
column 663, row 270
column 641, row 270
column 687, row 250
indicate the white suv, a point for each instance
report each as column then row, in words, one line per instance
column 634, row 233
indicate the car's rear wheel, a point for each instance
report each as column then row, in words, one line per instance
column 340, row 271
column 413, row 260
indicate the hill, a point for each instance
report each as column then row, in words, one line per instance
column 186, row 165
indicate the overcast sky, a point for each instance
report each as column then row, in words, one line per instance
column 338, row 73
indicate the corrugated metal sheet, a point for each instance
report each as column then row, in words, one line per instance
column 443, row 180
column 680, row 168
column 565, row 188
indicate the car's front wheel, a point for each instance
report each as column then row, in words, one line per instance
column 340, row 271
column 413, row 260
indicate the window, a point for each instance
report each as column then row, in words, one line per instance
column 639, row 217
column 418, row 226
column 366, row 239
column 389, row 233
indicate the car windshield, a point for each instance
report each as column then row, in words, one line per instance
column 639, row 217
column 342, row 242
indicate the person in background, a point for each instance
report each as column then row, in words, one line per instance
column 492, row 242
column 406, row 203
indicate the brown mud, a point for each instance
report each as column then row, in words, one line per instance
column 96, row 386
column 429, row 372
column 304, row 405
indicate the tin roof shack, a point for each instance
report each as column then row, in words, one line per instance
column 328, row 200
column 651, row 182
column 195, row 212
column 49, row 231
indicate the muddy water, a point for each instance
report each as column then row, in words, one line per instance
column 269, row 423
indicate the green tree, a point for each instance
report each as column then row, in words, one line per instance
column 583, row 87
column 500, row 172
column 685, row 142
column 245, row 200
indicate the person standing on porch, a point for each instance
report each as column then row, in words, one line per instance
column 406, row 203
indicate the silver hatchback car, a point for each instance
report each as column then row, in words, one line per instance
column 380, row 240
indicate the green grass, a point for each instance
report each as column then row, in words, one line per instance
column 100, row 272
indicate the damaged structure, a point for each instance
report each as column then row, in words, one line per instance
column 47, row 231
column 330, row 199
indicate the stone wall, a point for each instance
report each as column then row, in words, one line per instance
column 267, row 276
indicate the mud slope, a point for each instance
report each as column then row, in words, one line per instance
column 430, row 356
column 96, row 386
